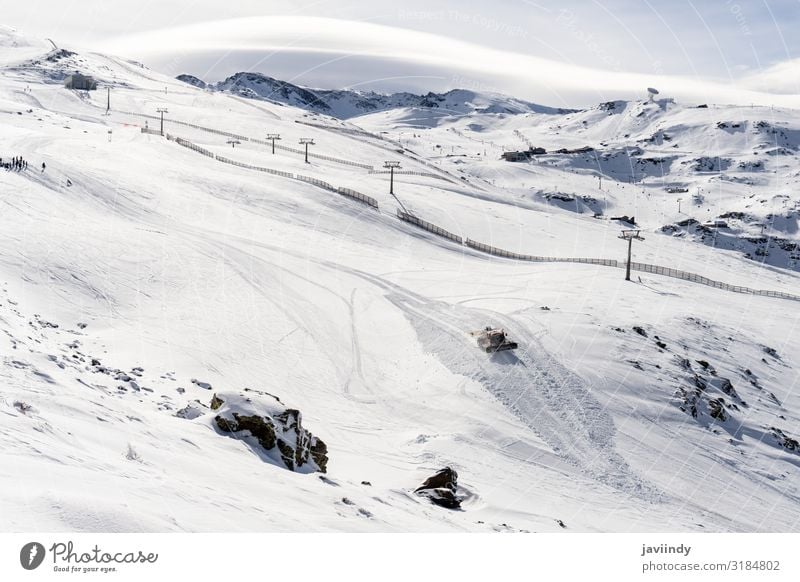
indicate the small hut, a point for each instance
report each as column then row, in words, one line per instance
column 81, row 82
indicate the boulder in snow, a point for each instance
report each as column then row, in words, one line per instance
column 275, row 431
column 441, row 489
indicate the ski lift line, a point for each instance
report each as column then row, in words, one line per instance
column 410, row 218
column 642, row 267
column 346, row 192
column 444, row 175
column 253, row 140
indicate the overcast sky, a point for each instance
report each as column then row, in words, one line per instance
column 565, row 53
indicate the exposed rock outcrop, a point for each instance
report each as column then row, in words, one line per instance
column 441, row 489
column 277, row 431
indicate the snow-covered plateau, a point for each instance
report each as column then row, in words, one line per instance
column 190, row 344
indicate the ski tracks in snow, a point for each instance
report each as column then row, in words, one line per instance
column 555, row 403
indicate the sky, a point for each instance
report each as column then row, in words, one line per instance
column 568, row 53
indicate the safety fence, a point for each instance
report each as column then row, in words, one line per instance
column 190, row 145
column 695, row 278
column 368, row 200
column 411, row 173
column 225, row 160
column 442, row 174
column 348, row 130
column 150, row 131
column 253, row 140
column 137, row 114
column 284, row 148
column 643, row 267
column 535, row 258
column 347, row 192
column 488, row 249
column 315, row 182
column 411, row 219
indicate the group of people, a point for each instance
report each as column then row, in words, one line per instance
column 17, row 163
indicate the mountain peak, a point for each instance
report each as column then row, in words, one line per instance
column 348, row 103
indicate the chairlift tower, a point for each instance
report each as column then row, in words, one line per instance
column 162, row 111
column 272, row 137
column 307, row 141
column 391, row 166
column 630, row 236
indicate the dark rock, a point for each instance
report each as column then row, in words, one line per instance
column 319, row 452
column 441, row 489
column 192, row 80
column 700, row 382
column 23, row 407
column 277, row 429
column 640, row 331
column 727, row 387
column 287, row 453
column 784, row 440
column 716, row 408
column 263, row 431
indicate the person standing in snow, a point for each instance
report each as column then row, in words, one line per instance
column 43, row 167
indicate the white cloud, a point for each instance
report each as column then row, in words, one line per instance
column 527, row 76
column 783, row 78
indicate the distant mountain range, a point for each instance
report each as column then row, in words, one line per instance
column 345, row 104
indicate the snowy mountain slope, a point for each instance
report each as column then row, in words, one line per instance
column 673, row 167
column 191, row 269
column 345, row 104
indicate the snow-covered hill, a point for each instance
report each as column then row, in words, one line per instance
column 169, row 318
column 345, row 104
column 679, row 169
